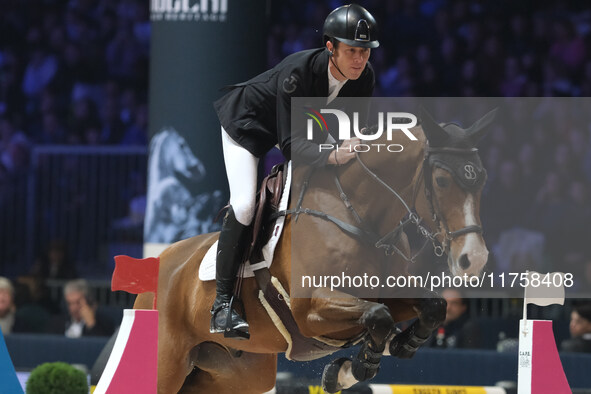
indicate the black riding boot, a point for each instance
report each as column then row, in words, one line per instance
column 231, row 249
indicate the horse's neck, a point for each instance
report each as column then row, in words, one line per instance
column 401, row 171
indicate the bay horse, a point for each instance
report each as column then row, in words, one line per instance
column 438, row 178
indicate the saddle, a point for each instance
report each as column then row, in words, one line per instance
column 268, row 198
column 272, row 295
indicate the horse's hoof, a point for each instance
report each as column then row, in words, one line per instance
column 406, row 344
column 367, row 363
column 363, row 370
column 330, row 376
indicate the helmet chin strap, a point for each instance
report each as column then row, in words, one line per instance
column 337, row 67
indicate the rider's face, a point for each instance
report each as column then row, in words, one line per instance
column 350, row 60
column 455, row 305
column 5, row 302
column 579, row 325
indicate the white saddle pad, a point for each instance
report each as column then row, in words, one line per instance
column 207, row 268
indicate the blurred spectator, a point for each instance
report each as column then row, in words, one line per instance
column 11, row 96
column 36, row 293
column 56, row 263
column 548, row 210
column 580, row 329
column 568, row 48
column 52, row 129
column 505, row 190
column 40, row 70
column 84, row 115
column 137, row 132
column 513, row 84
column 112, row 127
column 82, row 318
column 7, row 307
column 572, row 247
column 33, row 305
column 458, row 330
column 123, row 52
column 529, row 166
column 14, row 148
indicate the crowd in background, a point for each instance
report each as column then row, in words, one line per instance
column 76, row 72
column 71, row 72
column 459, row 47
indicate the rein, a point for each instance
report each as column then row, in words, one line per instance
column 414, row 218
column 388, row 241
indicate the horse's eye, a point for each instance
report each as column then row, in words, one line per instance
column 442, row 182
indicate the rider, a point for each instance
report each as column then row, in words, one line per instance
column 255, row 116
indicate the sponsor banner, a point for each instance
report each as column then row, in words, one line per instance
column 197, row 48
column 401, row 389
column 190, row 10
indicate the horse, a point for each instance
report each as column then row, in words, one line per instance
column 172, row 212
column 439, row 178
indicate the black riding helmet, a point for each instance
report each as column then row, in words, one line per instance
column 353, row 25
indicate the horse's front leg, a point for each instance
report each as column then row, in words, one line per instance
column 430, row 309
column 325, row 311
column 338, row 315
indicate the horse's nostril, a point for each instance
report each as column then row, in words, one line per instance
column 464, row 262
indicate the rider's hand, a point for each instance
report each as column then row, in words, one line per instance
column 344, row 153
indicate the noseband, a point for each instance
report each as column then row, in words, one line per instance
column 387, row 242
column 477, row 175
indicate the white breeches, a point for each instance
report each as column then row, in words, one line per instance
column 241, row 169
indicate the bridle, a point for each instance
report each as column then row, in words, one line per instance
column 413, row 217
column 388, row 241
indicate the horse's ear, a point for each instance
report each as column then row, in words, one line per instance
column 435, row 134
column 475, row 132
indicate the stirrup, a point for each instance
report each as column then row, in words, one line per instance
column 229, row 330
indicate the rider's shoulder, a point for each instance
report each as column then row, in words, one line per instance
column 303, row 61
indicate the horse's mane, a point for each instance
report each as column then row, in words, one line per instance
column 399, row 138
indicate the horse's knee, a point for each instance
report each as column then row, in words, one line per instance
column 378, row 321
column 432, row 311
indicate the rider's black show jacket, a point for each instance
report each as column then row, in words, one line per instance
column 257, row 113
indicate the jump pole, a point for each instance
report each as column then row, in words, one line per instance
column 133, row 363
